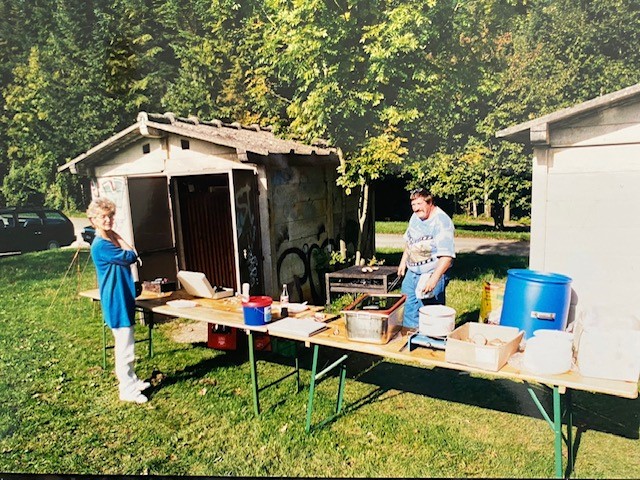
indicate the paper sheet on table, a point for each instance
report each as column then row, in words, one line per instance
column 304, row 327
column 298, row 307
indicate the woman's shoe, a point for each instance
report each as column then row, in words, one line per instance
column 141, row 385
column 135, row 398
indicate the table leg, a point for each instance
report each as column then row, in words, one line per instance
column 557, row 430
column 104, row 346
column 312, row 386
column 149, row 321
column 343, row 376
column 569, row 422
column 97, row 315
column 297, row 360
column 556, row 426
column 254, row 374
column 316, row 377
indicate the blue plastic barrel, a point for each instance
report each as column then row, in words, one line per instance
column 536, row 300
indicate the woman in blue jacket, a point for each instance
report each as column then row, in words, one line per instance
column 113, row 257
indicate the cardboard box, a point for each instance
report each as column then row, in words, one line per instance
column 461, row 347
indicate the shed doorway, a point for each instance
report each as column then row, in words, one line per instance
column 205, row 226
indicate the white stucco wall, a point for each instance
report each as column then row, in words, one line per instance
column 167, row 157
column 586, row 189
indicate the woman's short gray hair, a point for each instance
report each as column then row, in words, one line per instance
column 100, row 206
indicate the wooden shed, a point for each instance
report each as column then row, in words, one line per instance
column 586, row 188
column 232, row 201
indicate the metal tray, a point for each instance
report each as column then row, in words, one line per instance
column 374, row 325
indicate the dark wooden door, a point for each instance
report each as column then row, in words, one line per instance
column 152, row 232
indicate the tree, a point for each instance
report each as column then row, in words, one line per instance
column 97, row 64
column 30, row 160
column 216, row 53
column 325, row 58
column 558, row 54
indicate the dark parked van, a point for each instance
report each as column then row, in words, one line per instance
column 25, row 229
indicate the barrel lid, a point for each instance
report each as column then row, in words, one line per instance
column 258, row 301
column 538, row 276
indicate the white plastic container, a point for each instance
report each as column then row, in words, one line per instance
column 549, row 352
column 436, row 320
column 607, row 342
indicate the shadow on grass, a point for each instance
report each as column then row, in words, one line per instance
column 195, row 371
column 505, row 249
column 224, row 359
column 603, row 413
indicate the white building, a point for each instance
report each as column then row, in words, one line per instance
column 586, row 194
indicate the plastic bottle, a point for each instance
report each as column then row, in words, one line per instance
column 284, row 301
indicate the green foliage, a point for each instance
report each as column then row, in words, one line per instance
column 87, row 71
column 31, row 162
column 564, row 52
column 416, row 87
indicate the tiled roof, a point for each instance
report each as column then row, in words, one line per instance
column 254, row 138
column 251, row 138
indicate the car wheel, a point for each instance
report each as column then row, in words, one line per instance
column 52, row 245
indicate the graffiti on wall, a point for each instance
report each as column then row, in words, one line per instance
column 114, row 188
column 247, row 226
column 304, row 261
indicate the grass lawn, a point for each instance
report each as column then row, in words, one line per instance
column 467, row 227
column 60, row 411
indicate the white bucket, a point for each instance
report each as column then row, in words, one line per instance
column 436, row 320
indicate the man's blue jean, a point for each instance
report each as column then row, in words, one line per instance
column 412, row 304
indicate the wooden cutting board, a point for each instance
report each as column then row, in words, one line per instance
column 228, row 304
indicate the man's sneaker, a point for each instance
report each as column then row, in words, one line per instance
column 136, row 398
column 141, row 385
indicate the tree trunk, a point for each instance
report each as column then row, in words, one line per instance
column 507, row 212
column 363, row 209
column 487, row 206
column 497, row 213
column 343, row 215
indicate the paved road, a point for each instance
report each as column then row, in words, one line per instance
column 387, row 240
column 465, row 245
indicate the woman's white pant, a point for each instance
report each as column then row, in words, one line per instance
column 125, row 356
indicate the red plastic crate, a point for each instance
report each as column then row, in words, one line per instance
column 222, row 338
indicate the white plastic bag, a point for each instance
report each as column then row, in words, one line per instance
column 422, row 281
column 607, row 343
